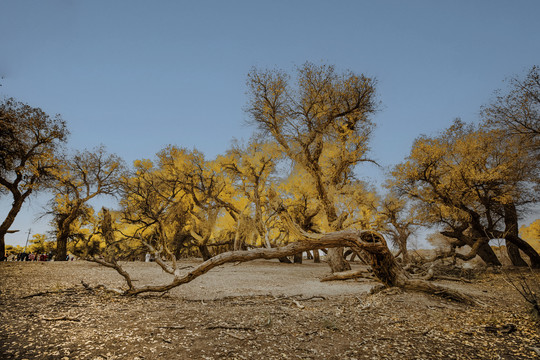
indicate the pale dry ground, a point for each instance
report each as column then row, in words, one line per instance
column 256, row 310
column 261, row 277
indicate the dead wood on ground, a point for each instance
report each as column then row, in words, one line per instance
column 369, row 244
column 346, row 275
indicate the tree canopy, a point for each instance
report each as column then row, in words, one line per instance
column 30, row 141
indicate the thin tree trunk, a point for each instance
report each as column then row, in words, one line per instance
column 2, row 247
column 297, row 258
column 335, row 257
column 316, row 256
column 404, row 251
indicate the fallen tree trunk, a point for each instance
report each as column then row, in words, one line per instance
column 370, row 245
column 346, row 275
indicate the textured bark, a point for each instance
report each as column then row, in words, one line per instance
column 513, row 253
column 337, row 261
column 404, row 252
column 18, row 200
column 316, row 256
column 345, row 275
column 205, row 253
column 487, row 254
column 61, row 248
column 512, row 231
column 479, row 246
column 371, row 245
column 514, row 243
column 524, row 246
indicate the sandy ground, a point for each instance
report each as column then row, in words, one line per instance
column 254, row 278
column 256, row 310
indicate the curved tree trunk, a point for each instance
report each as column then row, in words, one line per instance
column 513, row 253
column 524, row 246
column 18, row 200
column 479, row 246
column 487, row 254
column 370, row 244
column 514, row 243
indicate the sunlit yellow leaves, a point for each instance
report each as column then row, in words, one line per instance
column 531, row 234
column 465, row 169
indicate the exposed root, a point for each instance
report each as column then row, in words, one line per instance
column 430, row 288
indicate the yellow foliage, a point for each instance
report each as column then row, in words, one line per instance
column 531, row 234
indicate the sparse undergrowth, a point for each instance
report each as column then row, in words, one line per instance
column 283, row 319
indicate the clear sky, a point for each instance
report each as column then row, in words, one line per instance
column 139, row 75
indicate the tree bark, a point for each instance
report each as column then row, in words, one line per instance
column 316, row 256
column 524, row 246
column 487, row 254
column 404, row 251
column 18, row 200
column 514, row 243
column 337, row 261
column 61, row 247
column 513, row 253
column 373, row 245
column 351, row 274
column 205, row 253
column 479, row 246
column 297, row 258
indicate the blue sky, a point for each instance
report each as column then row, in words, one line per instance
column 139, row 75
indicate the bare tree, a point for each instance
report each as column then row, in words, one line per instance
column 400, row 222
column 518, row 110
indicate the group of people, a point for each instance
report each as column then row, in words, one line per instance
column 23, row 256
column 29, row 257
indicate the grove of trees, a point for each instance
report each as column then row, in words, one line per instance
column 291, row 188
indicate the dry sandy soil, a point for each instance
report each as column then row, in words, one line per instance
column 256, row 310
